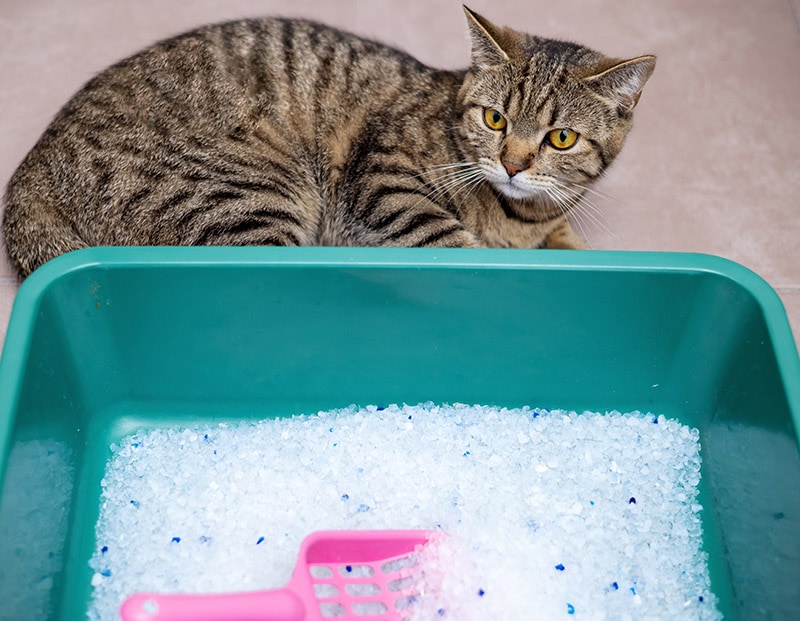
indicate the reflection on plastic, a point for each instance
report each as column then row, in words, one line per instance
column 760, row 517
column 33, row 524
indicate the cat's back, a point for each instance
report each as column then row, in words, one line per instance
column 294, row 72
column 161, row 146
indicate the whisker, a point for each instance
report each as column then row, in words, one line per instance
column 591, row 190
column 565, row 204
column 458, row 180
column 470, row 187
column 579, row 197
column 583, row 208
column 581, row 212
column 460, row 175
column 575, row 211
column 456, row 186
column 583, row 203
column 443, row 174
column 442, row 167
column 564, row 199
column 452, row 181
column 451, row 165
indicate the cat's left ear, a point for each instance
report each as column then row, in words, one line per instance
column 487, row 43
column 623, row 82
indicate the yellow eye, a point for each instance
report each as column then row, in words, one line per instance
column 493, row 119
column 562, row 138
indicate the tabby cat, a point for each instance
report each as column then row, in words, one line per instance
column 288, row 132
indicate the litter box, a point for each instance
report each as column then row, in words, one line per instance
column 103, row 342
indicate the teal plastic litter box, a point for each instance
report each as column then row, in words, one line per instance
column 103, row 342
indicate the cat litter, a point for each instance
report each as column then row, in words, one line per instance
column 591, row 516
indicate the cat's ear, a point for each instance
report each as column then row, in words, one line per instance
column 623, row 82
column 487, row 50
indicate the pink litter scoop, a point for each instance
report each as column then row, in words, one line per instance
column 341, row 575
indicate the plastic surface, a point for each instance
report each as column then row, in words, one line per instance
column 104, row 342
column 277, row 605
column 329, row 565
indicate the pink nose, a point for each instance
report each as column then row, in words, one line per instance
column 513, row 167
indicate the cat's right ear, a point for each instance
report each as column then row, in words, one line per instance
column 486, row 48
column 623, row 82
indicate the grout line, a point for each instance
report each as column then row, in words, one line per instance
column 794, row 15
column 790, row 290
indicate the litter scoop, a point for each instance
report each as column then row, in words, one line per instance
column 342, row 575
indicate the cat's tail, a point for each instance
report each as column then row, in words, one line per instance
column 34, row 230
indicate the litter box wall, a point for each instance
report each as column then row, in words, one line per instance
column 105, row 341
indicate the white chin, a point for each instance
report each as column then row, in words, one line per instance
column 512, row 190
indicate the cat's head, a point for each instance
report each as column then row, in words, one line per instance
column 538, row 115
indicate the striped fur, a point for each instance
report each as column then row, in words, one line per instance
column 288, row 132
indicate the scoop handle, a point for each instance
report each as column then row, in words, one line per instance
column 273, row 605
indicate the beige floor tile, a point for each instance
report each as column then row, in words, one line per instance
column 795, row 6
column 6, row 271
column 7, row 292
column 709, row 166
column 791, row 302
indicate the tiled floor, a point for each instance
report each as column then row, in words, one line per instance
column 712, row 166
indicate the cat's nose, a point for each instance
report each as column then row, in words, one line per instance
column 514, row 166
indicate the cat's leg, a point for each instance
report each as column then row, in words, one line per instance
column 397, row 209
column 35, row 232
column 258, row 216
column 401, row 218
column 563, row 237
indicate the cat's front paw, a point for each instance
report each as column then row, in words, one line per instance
column 564, row 238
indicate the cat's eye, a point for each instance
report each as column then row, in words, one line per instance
column 493, row 119
column 562, row 138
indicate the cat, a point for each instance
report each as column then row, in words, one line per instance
column 287, row 132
